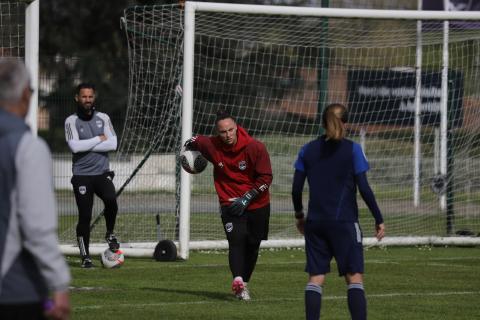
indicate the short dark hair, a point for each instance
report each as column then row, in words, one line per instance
column 222, row 115
column 85, row 85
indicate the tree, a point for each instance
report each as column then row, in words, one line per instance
column 82, row 41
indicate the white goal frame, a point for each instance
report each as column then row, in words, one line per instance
column 187, row 109
column 32, row 30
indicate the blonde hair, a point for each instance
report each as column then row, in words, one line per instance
column 334, row 117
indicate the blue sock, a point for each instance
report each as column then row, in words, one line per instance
column 313, row 301
column 357, row 303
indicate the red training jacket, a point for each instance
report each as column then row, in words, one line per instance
column 238, row 168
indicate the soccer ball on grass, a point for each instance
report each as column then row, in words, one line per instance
column 112, row 259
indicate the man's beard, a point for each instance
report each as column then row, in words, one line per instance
column 85, row 114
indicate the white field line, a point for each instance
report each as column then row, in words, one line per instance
column 429, row 261
column 216, row 302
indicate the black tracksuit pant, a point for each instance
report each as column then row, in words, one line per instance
column 84, row 188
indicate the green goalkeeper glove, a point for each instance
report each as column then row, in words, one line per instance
column 237, row 208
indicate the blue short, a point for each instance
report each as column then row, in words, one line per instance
column 327, row 239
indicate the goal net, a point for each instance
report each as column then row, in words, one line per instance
column 19, row 39
column 12, row 29
column 412, row 89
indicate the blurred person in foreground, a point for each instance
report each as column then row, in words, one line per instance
column 334, row 167
column 32, row 268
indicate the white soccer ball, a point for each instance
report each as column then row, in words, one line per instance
column 192, row 161
column 112, row 259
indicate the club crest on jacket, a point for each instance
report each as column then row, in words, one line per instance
column 242, row 165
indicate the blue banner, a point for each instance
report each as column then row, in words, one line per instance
column 388, row 97
column 453, row 5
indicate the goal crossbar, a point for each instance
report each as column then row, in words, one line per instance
column 333, row 12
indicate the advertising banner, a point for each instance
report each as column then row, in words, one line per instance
column 387, row 97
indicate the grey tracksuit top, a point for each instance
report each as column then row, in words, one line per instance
column 90, row 154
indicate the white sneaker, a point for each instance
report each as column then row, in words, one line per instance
column 245, row 295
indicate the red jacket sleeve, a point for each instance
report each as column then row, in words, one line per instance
column 204, row 145
column 263, row 167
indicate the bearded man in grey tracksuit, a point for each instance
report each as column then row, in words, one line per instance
column 31, row 264
column 90, row 136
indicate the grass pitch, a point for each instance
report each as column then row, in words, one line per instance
column 401, row 283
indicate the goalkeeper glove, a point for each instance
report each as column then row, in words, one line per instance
column 237, row 208
column 189, row 144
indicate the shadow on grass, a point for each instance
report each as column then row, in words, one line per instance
column 200, row 293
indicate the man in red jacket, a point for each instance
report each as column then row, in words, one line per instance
column 242, row 175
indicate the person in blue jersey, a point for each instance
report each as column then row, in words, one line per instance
column 334, row 167
column 32, row 268
column 90, row 136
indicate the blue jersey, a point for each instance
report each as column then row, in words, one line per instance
column 330, row 167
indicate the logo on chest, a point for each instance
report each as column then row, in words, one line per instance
column 242, row 165
column 99, row 123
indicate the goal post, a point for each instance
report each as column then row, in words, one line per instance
column 261, row 63
column 187, row 120
column 32, row 36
